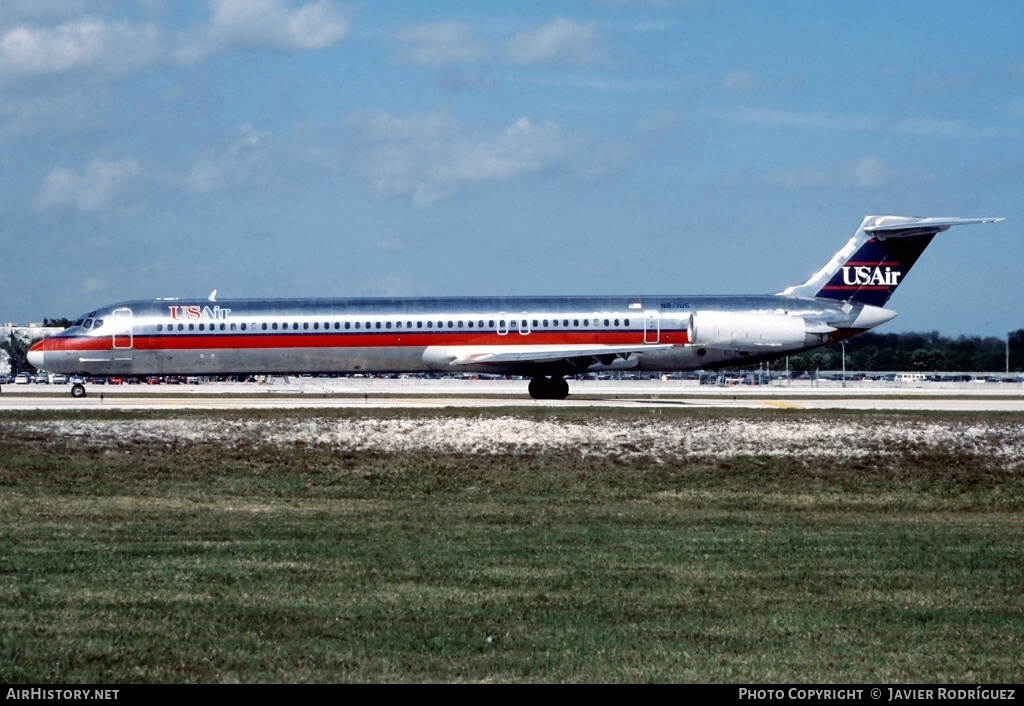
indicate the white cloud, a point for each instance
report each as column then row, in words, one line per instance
column 560, row 42
column 254, row 23
column 915, row 126
column 20, row 10
column 742, row 82
column 871, row 173
column 866, row 173
column 92, row 285
column 440, row 44
column 89, row 192
column 239, row 164
column 109, row 46
column 427, row 158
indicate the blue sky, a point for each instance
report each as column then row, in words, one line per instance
column 291, row 148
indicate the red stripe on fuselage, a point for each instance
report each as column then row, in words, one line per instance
column 389, row 339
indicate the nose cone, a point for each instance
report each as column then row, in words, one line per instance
column 35, row 355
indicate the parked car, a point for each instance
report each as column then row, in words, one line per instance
column 59, row 379
column 153, row 380
column 42, row 378
column 5, row 379
column 22, row 379
column 115, row 380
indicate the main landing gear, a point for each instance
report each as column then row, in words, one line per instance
column 78, row 390
column 546, row 387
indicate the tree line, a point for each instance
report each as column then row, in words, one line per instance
column 917, row 352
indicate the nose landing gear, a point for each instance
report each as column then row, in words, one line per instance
column 546, row 387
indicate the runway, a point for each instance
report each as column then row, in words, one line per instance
column 411, row 393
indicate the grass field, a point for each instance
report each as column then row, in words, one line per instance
column 239, row 556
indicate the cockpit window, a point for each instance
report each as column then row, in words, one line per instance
column 97, row 323
column 88, row 323
column 79, row 322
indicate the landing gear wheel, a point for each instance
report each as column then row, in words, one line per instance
column 537, row 388
column 548, row 388
column 559, row 388
column 78, row 390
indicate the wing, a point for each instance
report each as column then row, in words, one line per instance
column 574, row 357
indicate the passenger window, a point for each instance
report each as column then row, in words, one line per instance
column 202, row 327
column 347, row 325
column 606, row 323
column 616, row 322
column 460, row 325
column 419, row 324
column 191, row 327
column 232, row 326
column 357, row 324
column 295, row 326
column 159, row 327
column 398, row 324
column 535, row 323
column 305, row 326
column 387, row 325
column 181, row 327
column 575, row 323
column 378, row 324
column 274, row 326
column 430, row 324
column 626, row 322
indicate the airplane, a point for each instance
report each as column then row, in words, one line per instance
column 543, row 338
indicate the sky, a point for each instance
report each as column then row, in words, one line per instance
column 160, row 148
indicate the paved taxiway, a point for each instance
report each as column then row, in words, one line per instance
column 368, row 393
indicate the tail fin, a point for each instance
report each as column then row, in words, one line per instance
column 877, row 258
